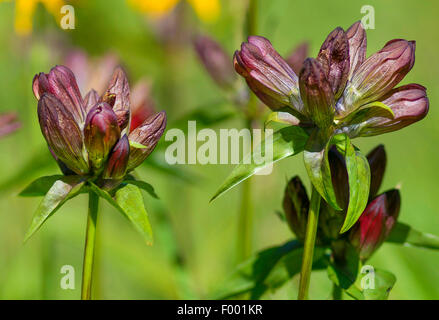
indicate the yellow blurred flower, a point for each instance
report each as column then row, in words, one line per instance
column 206, row 10
column 25, row 10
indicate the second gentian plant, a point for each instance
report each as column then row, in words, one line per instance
column 336, row 97
column 90, row 139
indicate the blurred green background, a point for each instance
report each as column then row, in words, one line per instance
column 195, row 242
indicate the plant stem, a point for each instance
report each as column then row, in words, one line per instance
column 245, row 235
column 308, row 249
column 336, row 292
column 90, row 237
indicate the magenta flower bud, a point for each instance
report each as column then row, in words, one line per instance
column 296, row 205
column 268, row 75
column 118, row 97
column 409, row 104
column 380, row 73
column 216, row 61
column 61, row 83
column 297, row 56
column 377, row 162
column 334, row 59
column 118, row 160
column 8, row 123
column 316, row 93
column 357, row 40
column 62, row 133
column 375, row 223
column 147, row 134
column 101, row 132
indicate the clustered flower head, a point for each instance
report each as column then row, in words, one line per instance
column 90, row 135
column 341, row 89
column 375, row 223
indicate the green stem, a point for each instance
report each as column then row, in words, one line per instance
column 336, row 292
column 90, row 237
column 310, row 239
column 252, row 17
column 245, row 235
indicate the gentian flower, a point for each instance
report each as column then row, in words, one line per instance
column 90, row 136
column 340, row 89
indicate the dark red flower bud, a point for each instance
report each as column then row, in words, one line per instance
column 119, row 92
column 357, row 46
column 316, row 93
column 377, row 162
column 216, row 61
column 409, row 104
column 61, row 83
column 296, row 205
column 267, row 74
column 380, row 73
column 90, row 100
column 118, row 160
column 148, row 134
column 334, row 59
column 297, row 56
column 101, row 132
column 62, row 133
column 375, row 223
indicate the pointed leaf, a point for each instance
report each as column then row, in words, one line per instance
column 287, row 142
column 143, row 185
column 128, row 201
column 134, row 144
column 40, row 186
column 359, row 180
column 316, row 161
column 283, row 118
column 267, row 270
column 61, row 190
column 407, row 236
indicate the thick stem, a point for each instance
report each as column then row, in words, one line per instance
column 252, row 16
column 308, row 249
column 245, row 230
column 336, row 292
column 90, row 237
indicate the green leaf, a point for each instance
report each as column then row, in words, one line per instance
column 316, row 161
column 63, row 189
column 407, row 236
column 267, row 270
column 143, row 185
column 359, row 181
column 378, row 109
column 137, row 145
column 384, row 282
column 40, row 186
column 287, row 142
column 129, row 201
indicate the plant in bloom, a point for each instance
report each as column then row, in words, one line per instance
column 90, row 136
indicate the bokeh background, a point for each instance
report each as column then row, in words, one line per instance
column 195, row 242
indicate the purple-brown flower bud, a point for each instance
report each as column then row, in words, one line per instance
column 61, row 83
column 297, row 56
column 267, row 74
column 62, row 133
column 90, row 100
column 377, row 162
column 357, row 46
column 148, row 134
column 334, row 59
column 216, row 61
column 316, row 93
column 119, row 92
column 409, row 104
column 118, row 160
column 296, row 205
column 101, row 132
column 375, row 223
column 8, row 123
column 380, row 73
